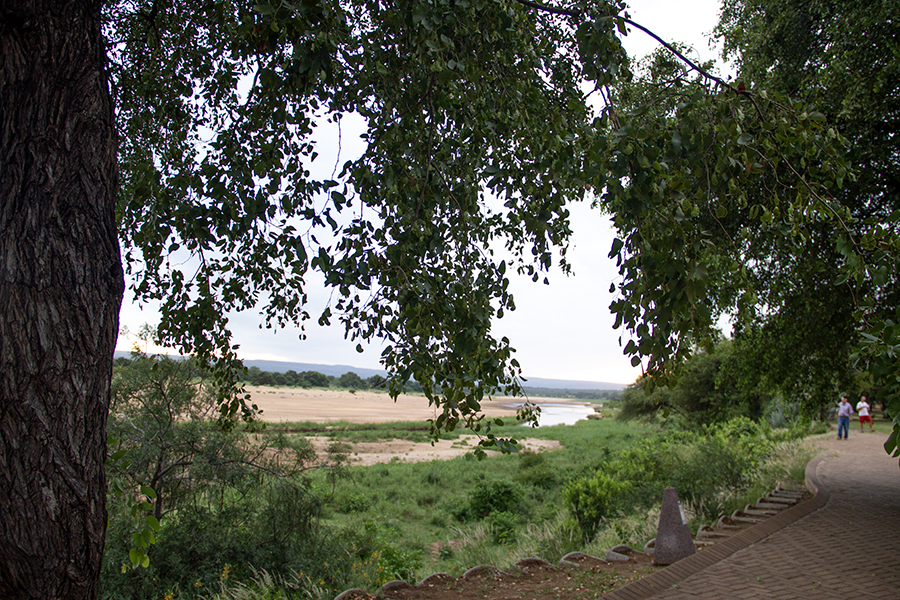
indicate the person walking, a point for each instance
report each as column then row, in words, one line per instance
column 845, row 409
column 862, row 407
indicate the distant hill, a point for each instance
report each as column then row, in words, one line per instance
column 571, row 384
column 274, row 366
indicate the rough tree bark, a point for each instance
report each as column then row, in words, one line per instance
column 61, row 288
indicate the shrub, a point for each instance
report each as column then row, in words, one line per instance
column 711, row 470
column 738, row 427
column 534, row 471
column 352, row 503
column 503, row 527
column 595, row 498
column 395, row 563
column 378, row 560
column 494, row 496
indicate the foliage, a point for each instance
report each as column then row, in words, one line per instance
column 401, row 510
column 592, row 500
column 223, row 207
column 835, row 319
column 376, row 558
column 214, row 497
column 220, row 178
column 708, row 470
column 306, row 379
column 686, row 157
column 352, row 380
column 535, row 471
column 161, row 414
column 264, row 585
column 708, row 390
column 503, row 526
column 489, row 497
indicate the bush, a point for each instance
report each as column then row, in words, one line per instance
column 276, row 528
column 708, row 471
column 397, row 564
column 534, row 471
column 503, row 527
column 594, row 499
column 494, row 496
column 352, row 503
column 376, row 559
column 739, row 427
column 712, row 470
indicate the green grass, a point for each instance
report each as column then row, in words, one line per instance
column 422, row 505
column 344, row 431
column 424, row 508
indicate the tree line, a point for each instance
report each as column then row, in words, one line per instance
column 306, row 379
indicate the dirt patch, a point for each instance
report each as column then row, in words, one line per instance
column 371, row 453
column 582, row 578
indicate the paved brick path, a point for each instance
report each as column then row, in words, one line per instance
column 845, row 545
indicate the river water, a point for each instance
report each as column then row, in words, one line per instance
column 563, row 414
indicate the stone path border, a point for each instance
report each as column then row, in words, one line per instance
column 660, row 581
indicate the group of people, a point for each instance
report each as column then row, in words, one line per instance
column 845, row 409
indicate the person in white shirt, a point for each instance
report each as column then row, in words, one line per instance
column 862, row 407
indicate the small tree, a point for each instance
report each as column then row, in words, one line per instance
column 192, row 472
column 162, row 415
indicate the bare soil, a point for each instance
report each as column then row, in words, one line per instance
column 584, row 578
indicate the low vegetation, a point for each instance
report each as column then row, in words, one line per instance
column 258, row 510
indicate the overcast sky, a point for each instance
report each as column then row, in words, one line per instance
column 561, row 331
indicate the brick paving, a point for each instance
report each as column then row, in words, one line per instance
column 843, row 544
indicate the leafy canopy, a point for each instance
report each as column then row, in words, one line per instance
column 479, row 135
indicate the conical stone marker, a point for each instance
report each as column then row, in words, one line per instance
column 673, row 537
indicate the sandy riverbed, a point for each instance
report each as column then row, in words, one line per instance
column 280, row 405
column 324, row 406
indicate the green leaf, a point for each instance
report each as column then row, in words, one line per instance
column 152, row 523
column 891, row 445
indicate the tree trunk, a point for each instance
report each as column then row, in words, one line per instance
column 61, row 288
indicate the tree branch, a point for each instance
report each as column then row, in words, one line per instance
column 578, row 15
column 551, row 9
column 681, row 56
